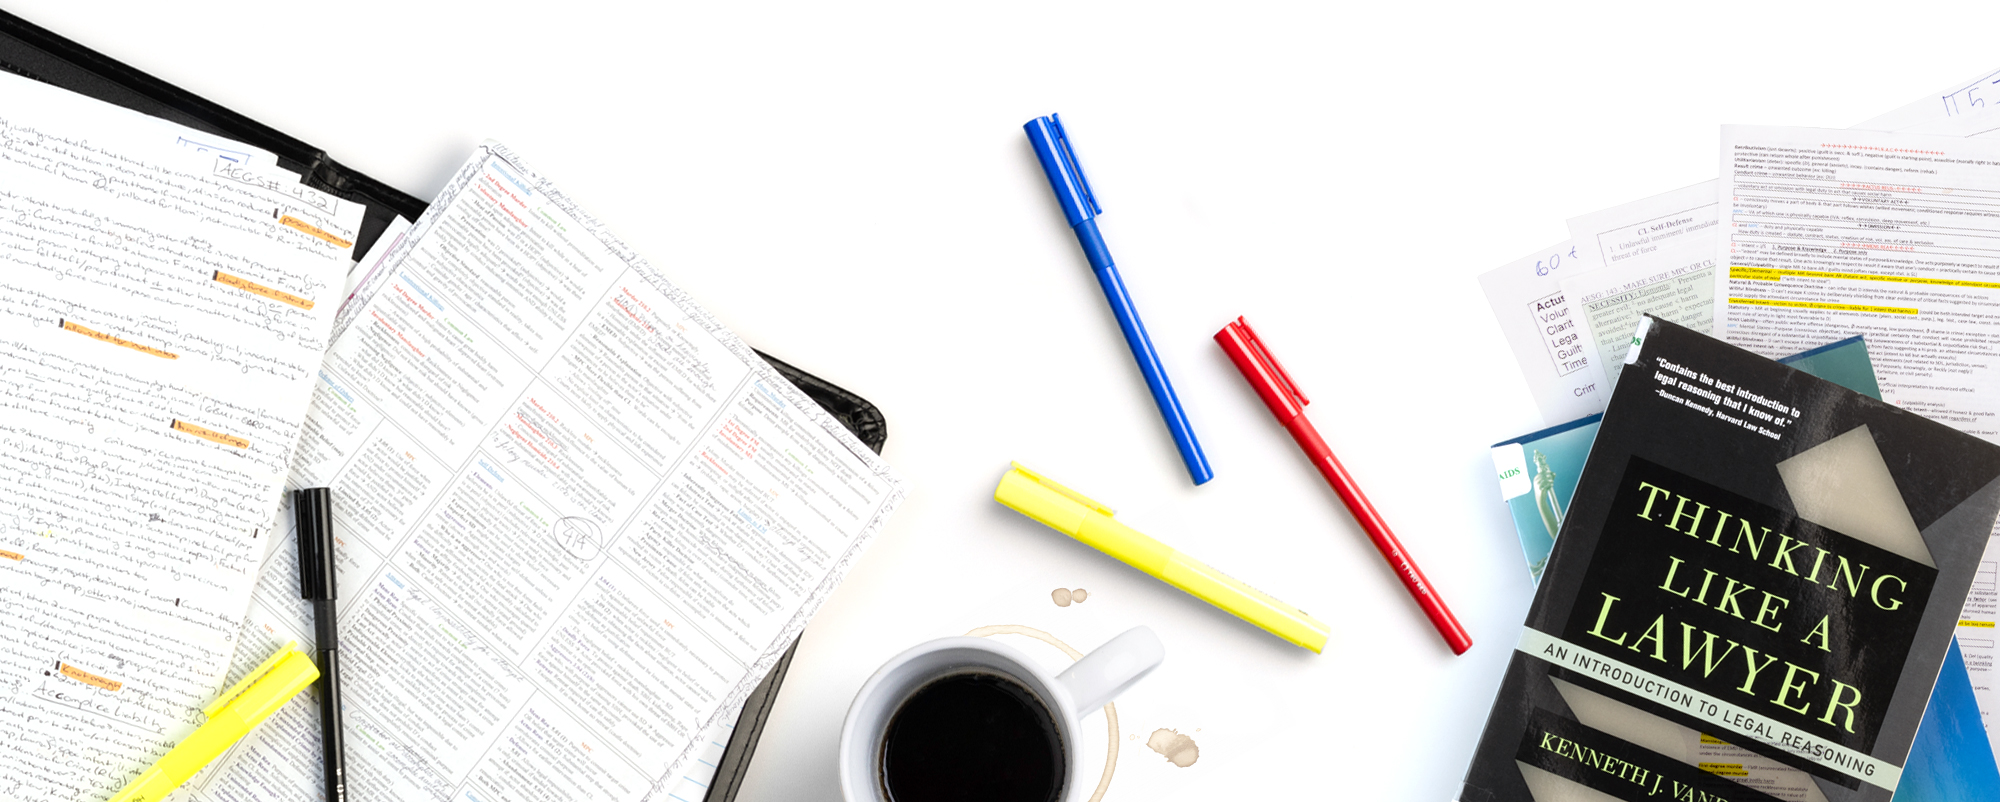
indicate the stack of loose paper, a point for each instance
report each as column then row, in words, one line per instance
column 576, row 518
column 1889, row 230
column 579, row 519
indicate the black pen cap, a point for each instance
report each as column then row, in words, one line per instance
column 313, row 508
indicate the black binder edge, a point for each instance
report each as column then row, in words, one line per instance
column 29, row 50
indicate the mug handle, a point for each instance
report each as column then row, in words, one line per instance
column 1107, row 671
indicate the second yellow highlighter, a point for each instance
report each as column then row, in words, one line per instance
column 1070, row 513
column 230, row 717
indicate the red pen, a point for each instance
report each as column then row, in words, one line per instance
column 1282, row 395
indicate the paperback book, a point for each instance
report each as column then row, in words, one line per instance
column 1755, row 586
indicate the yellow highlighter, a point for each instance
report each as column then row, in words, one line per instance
column 1070, row 513
column 230, row 717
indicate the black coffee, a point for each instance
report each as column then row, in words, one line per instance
column 972, row 736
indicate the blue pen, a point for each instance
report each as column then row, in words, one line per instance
column 1080, row 206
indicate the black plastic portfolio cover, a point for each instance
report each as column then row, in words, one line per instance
column 34, row 52
column 1752, row 592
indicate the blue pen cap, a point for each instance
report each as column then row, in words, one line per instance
column 1065, row 176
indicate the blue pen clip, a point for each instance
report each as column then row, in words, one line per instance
column 1065, row 175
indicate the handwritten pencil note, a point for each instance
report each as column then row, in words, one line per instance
column 578, row 519
column 1546, row 332
column 1972, row 97
column 160, row 330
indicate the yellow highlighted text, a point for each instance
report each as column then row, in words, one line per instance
column 1773, row 274
column 1889, row 310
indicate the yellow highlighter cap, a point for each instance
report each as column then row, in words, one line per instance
column 241, row 685
column 1040, row 498
column 260, row 693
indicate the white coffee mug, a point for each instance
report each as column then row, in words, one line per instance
column 1076, row 692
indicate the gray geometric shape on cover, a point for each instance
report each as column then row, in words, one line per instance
column 1959, row 540
column 1546, row 787
column 1843, row 484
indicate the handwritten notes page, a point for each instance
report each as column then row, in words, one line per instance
column 165, row 298
column 577, row 519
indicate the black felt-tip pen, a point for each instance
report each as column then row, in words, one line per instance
column 314, row 508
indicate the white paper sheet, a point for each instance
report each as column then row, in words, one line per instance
column 577, row 519
column 1662, row 248
column 1971, row 97
column 1546, row 333
column 1649, row 256
column 365, row 268
column 164, row 300
column 1830, row 234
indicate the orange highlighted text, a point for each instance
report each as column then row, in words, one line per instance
column 116, row 340
column 210, row 435
column 292, row 222
column 88, row 678
column 254, row 288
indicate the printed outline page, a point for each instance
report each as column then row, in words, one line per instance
column 1680, row 251
column 1626, row 253
column 539, row 403
column 1912, row 212
column 1698, row 201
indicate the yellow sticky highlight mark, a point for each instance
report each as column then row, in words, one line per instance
column 1773, row 274
column 254, row 288
column 1980, row 624
column 292, row 222
column 88, row 678
column 210, row 435
column 12, row 556
column 116, row 340
column 1712, row 740
column 1891, row 310
column 1724, row 769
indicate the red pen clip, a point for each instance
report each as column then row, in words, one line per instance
column 1268, row 377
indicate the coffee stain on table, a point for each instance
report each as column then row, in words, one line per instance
column 1064, row 597
column 1178, row 749
column 1110, row 710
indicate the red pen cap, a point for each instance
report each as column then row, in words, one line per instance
column 1268, row 377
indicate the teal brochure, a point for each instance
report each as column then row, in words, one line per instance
column 1951, row 759
column 1538, row 473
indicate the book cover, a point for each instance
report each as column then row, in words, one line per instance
column 1755, row 586
column 1538, row 471
column 1951, row 757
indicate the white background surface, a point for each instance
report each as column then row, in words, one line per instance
column 849, row 188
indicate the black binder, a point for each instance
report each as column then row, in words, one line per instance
column 35, row 52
